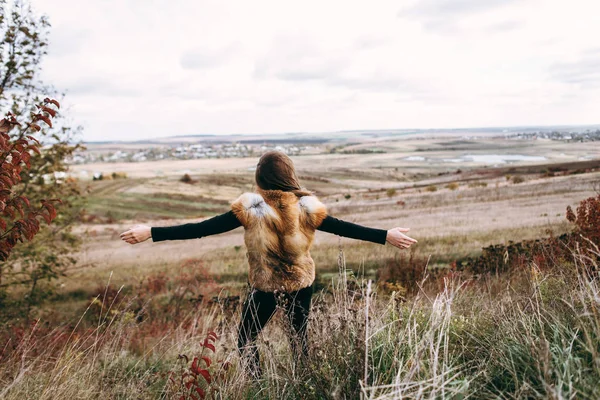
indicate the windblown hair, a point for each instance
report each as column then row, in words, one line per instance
column 275, row 171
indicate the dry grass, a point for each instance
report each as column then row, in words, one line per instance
column 524, row 336
column 534, row 334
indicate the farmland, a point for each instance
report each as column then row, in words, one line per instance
column 456, row 194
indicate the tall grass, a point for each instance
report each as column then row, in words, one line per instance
column 532, row 334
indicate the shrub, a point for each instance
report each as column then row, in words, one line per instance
column 347, row 196
column 546, row 252
column 587, row 218
column 391, row 192
column 119, row 175
column 477, row 184
column 431, row 188
column 403, row 270
column 518, row 179
column 16, row 157
column 452, row 186
column 186, row 178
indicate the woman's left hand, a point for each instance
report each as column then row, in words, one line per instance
column 137, row 234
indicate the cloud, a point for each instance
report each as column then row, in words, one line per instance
column 584, row 72
column 305, row 61
column 505, row 26
column 271, row 66
column 65, row 40
column 201, row 58
column 103, row 86
column 453, row 8
column 446, row 16
column 371, row 41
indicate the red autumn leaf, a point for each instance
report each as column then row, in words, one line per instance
column 209, row 345
column 26, row 157
column 24, row 200
column 207, row 361
column 212, row 334
column 19, row 208
column 49, row 111
column 9, row 211
column 5, row 179
column 205, row 374
column 50, row 208
column 200, row 392
column 46, row 218
column 32, row 139
column 42, row 117
column 52, row 101
column 184, row 357
column 194, row 365
column 35, row 127
column 16, row 159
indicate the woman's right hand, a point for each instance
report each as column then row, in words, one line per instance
column 396, row 237
column 137, row 234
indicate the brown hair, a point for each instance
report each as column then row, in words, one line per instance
column 275, row 171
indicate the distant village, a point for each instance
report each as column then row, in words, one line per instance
column 188, row 152
column 587, row 136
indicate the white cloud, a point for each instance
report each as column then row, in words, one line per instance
column 135, row 69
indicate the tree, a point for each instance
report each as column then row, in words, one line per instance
column 23, row 43
column 19, row 219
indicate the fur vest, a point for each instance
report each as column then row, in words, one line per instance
column 279, row 230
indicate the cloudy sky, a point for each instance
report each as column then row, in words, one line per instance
column 134, row 69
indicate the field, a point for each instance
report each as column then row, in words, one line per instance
column 124, row 316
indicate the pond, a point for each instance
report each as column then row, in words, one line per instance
column 482, row 158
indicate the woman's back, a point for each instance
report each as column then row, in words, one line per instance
column 279, row 230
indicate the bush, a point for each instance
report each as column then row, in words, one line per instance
column 452, row 186
column 546, row 252
column 119, row 175
column 587, row 219
column 518, row 179
column 402, row 271
column 391, row 192
column 186, row 178
column 431, row 188
column 477, row 184
column 347, row 196
column 15, row 161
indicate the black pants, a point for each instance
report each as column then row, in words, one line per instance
column 258, row 309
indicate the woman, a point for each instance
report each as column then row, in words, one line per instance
column 280, row 220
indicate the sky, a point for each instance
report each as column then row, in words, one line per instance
column 136, row 69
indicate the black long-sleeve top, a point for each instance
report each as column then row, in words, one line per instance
column 228, row 221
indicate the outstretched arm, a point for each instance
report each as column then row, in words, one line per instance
column 219, row 224
column 395, row 236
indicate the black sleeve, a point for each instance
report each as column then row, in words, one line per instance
column 354, row 231
column 219, row 224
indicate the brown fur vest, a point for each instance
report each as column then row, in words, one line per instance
column 279, row 230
